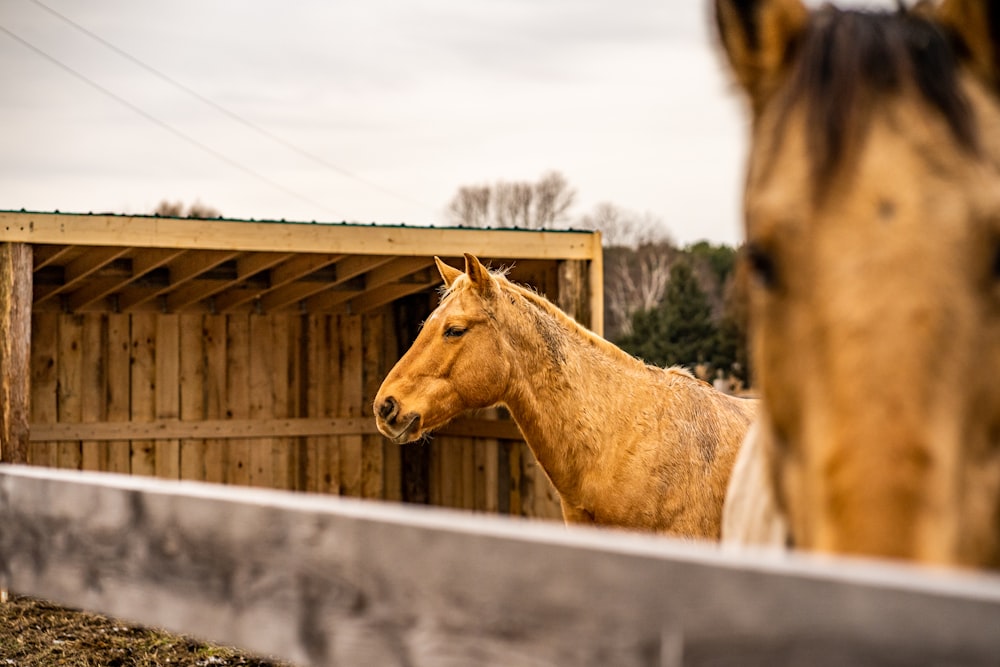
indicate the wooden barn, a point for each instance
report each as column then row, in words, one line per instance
column 248, row 353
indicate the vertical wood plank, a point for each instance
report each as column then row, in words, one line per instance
column 167, row 384
column 392, row 460
column 302, row 408
column 44, row 383
column 143, row 384
column 436, row 477
column 118, row 392
column 263, row 384
column 16, row 265
column 70, row 385
column 514, row 470
column 372, row 446
column 322, row 452
column 280, row 457
column 93, row 397
column 214, row 341
column 467, row 448
column 237, row 393
column 350, row 392
column 192, row 393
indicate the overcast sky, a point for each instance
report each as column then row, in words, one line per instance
column 395, row 105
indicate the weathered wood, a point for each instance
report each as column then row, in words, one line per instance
column 262, row 387
column 70, row 388
column 216, row 454
column 238, row 393
column 398, row 585
column 322, row 460
column 118, row 390
column 15, row 350
column 350, row 392
column 374, row 369
column 192, row 393
column 168, row 359
column 44, row 382
column 143, row 388
column 93, row 394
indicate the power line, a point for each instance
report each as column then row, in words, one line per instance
column 166, row 126
column 227, row 112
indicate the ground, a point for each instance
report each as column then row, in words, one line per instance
column 34, row 633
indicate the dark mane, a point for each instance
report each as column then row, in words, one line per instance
column 848, row 60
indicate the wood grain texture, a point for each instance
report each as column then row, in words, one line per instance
column 15, row 350
column 44, row 383
column 374, row 583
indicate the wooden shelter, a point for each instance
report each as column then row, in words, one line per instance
column 249, row 352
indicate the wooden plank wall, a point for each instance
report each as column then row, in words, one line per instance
column 147, row 366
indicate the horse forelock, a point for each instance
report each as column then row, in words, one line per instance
column 849, row 59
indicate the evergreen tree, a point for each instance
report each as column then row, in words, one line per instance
column 680, row 330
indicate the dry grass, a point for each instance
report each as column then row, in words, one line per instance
column 34, row 633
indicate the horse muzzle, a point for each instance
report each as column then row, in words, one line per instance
column 394, row 424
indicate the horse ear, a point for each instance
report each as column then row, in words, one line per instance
column 976, row 24
column 448, row 274
column 478, row 274
column 758, row 37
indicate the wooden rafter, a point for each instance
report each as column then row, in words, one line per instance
column 183, row 268
column 79, row 270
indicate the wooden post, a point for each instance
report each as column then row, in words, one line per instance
column 15, row 350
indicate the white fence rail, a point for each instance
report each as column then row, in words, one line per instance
column 326, row 581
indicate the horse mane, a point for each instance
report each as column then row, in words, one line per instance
column 566, row 322
column 847, row 59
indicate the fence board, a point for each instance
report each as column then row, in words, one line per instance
column 386, row 584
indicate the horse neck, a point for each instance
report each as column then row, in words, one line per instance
column 562, row 393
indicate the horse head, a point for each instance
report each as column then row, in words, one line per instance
column 456, row 363
column 872, row 216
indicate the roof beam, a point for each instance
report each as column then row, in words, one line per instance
column 152, row 232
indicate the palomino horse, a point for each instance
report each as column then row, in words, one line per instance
column 623, row 443
column 872, row 210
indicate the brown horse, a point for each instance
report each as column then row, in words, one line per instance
column 623, row 443
column 872, row 212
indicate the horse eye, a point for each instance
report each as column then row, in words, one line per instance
column 762, row 265
column 996, row 262
column 454, row 332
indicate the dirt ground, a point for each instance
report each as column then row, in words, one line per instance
column 34, row 633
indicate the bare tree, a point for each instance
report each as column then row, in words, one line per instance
column 553, row 199
column 505, row 205
column 471, row 206
column 622, row 228
column 198, row 210
column 634, row 279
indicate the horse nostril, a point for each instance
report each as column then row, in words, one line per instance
column 388, row 408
